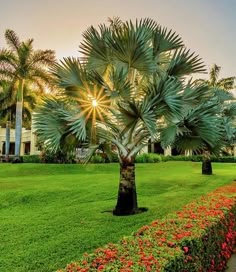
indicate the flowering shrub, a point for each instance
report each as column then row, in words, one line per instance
column 199, row 238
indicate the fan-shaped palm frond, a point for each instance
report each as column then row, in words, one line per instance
column 184, row 63
column 200, row 128
column 50, row 119
column 164, row 40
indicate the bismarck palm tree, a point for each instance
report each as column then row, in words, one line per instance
column 220, row 89
column 206, row 127
column 25, row 68
column 127, row 85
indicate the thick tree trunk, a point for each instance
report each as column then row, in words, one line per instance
column 206, row 164
column 7, row 143
column 127, row 196
column 18, row 127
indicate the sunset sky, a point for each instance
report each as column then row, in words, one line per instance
column 207, row 27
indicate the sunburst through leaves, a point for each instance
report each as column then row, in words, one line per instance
column 94, row 105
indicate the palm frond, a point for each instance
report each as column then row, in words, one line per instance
column 12, row 40
column 7, row 60
column 230, row 110
column 96, row 49
column 164, row 40
column 226, row 83
column 214, row 74
column 169, row 103
column 184, row 63
column 49, row 123
column 42, row 57
column 69, row 74
column 131, row 46
column 200, row 128
column 222, row 94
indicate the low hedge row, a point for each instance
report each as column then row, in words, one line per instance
column 31, row 158
column 201, row 237
column 198, row 158
column 142, row 158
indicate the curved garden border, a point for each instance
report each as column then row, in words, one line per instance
column 198, row 238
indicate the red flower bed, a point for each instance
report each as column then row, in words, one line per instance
column 201, row 237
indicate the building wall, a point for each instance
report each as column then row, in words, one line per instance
column 28, row 137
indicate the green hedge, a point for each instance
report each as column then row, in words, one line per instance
column 31, row 159
column 201, row 237
column 142, row 158
column 148, row 158
column 198, row 158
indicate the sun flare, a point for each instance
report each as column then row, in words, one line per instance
column 94, row 103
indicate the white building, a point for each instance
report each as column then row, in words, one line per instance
column 28, row 142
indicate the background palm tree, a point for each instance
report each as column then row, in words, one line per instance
column 215, row 82
column 25, row 68
column 220, row 88
column 128, row 84
column 8, row 105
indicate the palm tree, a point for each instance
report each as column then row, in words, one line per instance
column 127, row 85
column 220, row 89
column 214, row 82
column 25, row 68
column 4, row 116
column 206, row 125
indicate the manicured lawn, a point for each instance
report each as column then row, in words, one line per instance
column 51, row 214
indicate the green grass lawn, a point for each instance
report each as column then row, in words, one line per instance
column 51, row 214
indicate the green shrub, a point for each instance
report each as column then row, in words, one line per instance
column 148, row 158
column 198, row 158
column 46, row 156
column 31, row 159
column 97, row 158
column 224, row 159
column 114, row 157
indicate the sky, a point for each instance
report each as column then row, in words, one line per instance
column 207, row 27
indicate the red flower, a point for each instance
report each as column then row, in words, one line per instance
column 185, row 249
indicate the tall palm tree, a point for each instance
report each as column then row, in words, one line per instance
column 127, row 85
column 4, row 121
column 8, row 105
column 25, row 68
column 226, row 84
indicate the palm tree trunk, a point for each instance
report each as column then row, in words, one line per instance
column 7, row 143
column 127, row 196
column 206, row 163
column 18, row 127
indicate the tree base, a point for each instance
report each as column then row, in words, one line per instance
column 118, row 212
column 206, row 167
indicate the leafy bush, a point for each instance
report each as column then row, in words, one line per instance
column 199, row 238
column 198, row 158
column 114, row 157
column 97, row 159
column 148, row 158
column 47, row 156
column 224, row 159
column 31, row 159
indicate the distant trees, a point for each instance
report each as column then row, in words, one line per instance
column 25, row 70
